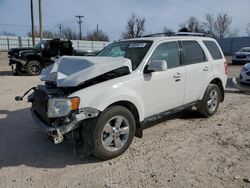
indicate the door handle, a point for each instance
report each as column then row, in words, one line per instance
column 177, row 75
column 205, row 68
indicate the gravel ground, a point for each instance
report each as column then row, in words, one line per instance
column 184, row 151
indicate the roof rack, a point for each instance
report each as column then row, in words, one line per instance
column 157, row 35
column 190, row 34
column 176, row 34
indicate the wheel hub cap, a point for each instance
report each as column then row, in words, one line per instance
column 115, row 133
column 212, row 100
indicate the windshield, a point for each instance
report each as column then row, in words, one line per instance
column 133, row 50
column 38, row 45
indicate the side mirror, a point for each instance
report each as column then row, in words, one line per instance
column 156, row 66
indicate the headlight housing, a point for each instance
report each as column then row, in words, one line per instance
column 60, row 107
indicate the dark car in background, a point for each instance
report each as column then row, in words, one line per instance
column 33, row 60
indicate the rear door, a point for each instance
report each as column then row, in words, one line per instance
column 217, row 60
column 198, row 70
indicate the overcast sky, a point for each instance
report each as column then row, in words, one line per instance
column 112, row 15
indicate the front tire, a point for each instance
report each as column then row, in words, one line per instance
column 115, row 130
column 33, row 67
column 210, row 102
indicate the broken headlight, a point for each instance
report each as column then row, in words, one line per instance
column 60, row 107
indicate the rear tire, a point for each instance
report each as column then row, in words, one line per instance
column 115, row 130
column 210, row 102
column 33, row 67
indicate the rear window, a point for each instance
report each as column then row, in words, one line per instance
column 193, row 52
column 213, row 49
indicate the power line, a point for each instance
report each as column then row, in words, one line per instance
column 184, row 8
column 19, row 25
column 157, row 7
column 206, row 7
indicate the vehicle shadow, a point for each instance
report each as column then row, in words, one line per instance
column 6, row 73
column 189, row 113
column 230, row 88
column 192, row 113
column 22, row 144
column 229, row 84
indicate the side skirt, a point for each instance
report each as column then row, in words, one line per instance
column 149, row 120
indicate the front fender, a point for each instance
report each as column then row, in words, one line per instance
column 123, row 95
column 101, row 99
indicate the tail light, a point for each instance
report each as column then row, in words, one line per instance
column 225, row 67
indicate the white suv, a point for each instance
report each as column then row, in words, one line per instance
column 105, row 101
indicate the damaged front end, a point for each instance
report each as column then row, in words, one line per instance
column 56, row 114
column 55, row 109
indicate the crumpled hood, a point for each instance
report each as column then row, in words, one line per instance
column 70, row 71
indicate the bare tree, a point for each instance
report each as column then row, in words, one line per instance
column 192, row 25
column 248, row 29
column 167, row 31
column 97, row 35
column 46, row 34
column 69, row 34
column 222, row 25
column 208, row 25
column 135, row 27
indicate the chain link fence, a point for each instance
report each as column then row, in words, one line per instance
column 8, row 42
column 232, row 45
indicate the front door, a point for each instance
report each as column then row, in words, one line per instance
column 164, row 90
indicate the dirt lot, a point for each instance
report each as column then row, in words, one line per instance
column 184, row 151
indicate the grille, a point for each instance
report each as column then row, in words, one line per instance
column 241, row 56
column 248, row 73
column 40, row 105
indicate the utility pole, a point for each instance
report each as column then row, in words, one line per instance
column 79, row 21
column 32, row 22
column 60, row 30
column 40, row 20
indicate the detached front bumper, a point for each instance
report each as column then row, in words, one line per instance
column 13, row 61
column 56, row 133
column 17, row 65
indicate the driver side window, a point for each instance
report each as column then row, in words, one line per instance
column 169, row 52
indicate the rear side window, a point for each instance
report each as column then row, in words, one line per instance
column 169, row 52
column 193, row 52
column 213, row 49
